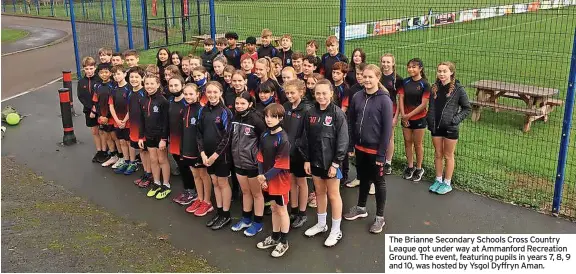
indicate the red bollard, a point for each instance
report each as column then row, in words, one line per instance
column 69, row 137
column 67, row 83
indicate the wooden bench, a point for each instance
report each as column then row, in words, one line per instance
column 538, row 100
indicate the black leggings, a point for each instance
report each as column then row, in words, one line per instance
column 345, row 167
column 368, row 173
column 185, row 172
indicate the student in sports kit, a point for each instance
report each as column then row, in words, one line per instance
column 191, row 156
column 153, row 136
column 296, row 109
column 247, row 127
column 358, row 58
column 413, row 102
column 331, row 57
column 370, row 124
column 233, row 52
column 393, row 83
column 324, row 145
column 214, row 129
column 118, row 103
column 176, row 125
column 273, row 167
column 448, row 107
column 86, row 88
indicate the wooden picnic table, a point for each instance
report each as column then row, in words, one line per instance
column 199, row 39
column 538, row 100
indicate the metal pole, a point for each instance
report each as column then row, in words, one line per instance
column 129, row 25
column 199, row 21
column 83, row 9
column 144, row 16
column 166, row 23
column 212, row 19
column 52, row 8
column 173, row 15
column 14, row 5
column 565, row 138
column 66, row 7
column 122, row 4
column 342, row 38
column 183, row 21
column 75, row 38
column 102, row 10
column 38, row 7
column 115, row 26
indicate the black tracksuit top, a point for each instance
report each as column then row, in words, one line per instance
column 246, row 131
column 214, row 128
column 154, row 117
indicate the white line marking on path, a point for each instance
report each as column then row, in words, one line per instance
column 31, row 90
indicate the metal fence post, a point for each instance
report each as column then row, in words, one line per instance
column 66, row 7
column 565, row 138
column 173, row 15
column 102, row 10
column 52, row 8
column 199, row 19
column 83, row 9
column 115, row 26
column 122, row 4
column 38, row 7
column 212, row 19
column 342, row 38
column 129, row 25
column 75, row 38
column 144, row 16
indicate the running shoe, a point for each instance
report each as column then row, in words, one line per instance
column 434, row 187
column 317, row 228
column 418, row 173
column 118, row 163
column 408, row 173
column 243, row 223
column 333, row 238
column 378, row 225
column 194, row 207
column 132, row 167
column 387, row 168
column 267, row 243
column 110, row 161
column 254, row 229
column 154, row 190
column 372, row 190
column 204, row 209
column 444, row 189
column 164, row 192
column 121, row 169
column 280, row 250
column 355, row 212
column 312, row 200
column 353, row 183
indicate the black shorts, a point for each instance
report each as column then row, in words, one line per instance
column 134, row 145
column 151, row 142
column 250, row 173
column 220, row 169
column 195, row 163
column 416, row 124
column 280, row 200
column 90, row 122
column 297, row 166
column 122, row 134
column 106, row 128
column 451, row 134
column 323, row 173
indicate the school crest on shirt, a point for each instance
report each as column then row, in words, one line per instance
column 156, row 109
column 193, row 120
column 218, row 119
column 328, row 121
column 246, row 131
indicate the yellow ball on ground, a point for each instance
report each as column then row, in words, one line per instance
column 13, row 119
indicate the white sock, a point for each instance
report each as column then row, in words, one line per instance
column 167, row 184
column 439, row 179
column 335, row 226
column 389, row 162
column 157, row 183
column 447, row 181
column 322, row 218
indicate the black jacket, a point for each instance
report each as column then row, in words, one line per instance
column 293, row 122
column 214, row 128
column 455, row 111
column 269, row 51
column 286, row 57
column 85, row 89
column 370, row 122
column 154, row 117
column 246, row 131
column 207, row 58
column 189, row 145
column 233, row 56
column 325, row 136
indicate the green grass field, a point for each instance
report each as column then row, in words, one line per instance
column 11, row 35
column 494, row 156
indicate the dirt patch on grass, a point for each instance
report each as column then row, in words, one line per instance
column 45, row 228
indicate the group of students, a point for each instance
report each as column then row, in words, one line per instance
column 269, row 118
